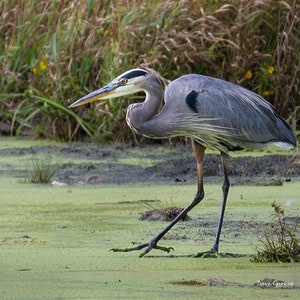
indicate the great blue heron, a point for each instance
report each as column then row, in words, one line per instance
column 214, row 113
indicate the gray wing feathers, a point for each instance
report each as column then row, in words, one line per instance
column 242, row 116
column 252, row 118
column 249, row 120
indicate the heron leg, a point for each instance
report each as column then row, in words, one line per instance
column 225, row 188
column 199, row 154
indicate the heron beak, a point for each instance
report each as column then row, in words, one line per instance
column 103, row 93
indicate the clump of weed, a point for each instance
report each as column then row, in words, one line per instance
column 279, row 242
column 205, row 282
column 164, row 214
column 41, row 169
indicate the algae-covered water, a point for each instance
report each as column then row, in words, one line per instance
column 55, row 240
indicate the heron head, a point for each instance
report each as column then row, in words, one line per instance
column 125, row 84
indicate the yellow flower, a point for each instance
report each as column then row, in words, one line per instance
column 266, row 93
column 271, row 70
column 248, row 74
column 42, row 65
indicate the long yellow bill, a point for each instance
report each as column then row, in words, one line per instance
column 103, row 93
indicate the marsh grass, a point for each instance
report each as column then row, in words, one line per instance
column 54, row 52
column 41, row 169
column 279, row 242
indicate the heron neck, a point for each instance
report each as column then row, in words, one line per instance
column 152, row 104
column 139, row 113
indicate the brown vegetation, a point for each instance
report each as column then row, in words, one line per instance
column 53, row 52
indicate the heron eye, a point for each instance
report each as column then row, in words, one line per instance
column 124, row 81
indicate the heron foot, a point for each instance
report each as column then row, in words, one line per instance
column 212, row 253
column 148, row 246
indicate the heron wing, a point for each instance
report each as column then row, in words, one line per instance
column 242, row 117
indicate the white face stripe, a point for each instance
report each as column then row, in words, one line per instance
column 124, row 90
column 132, row 76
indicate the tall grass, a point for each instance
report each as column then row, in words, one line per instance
column 41, row 169
column 53, row 52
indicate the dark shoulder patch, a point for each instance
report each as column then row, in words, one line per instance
column 135, row 73
column 191, row 100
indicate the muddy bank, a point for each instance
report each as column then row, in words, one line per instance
column 95, row 164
